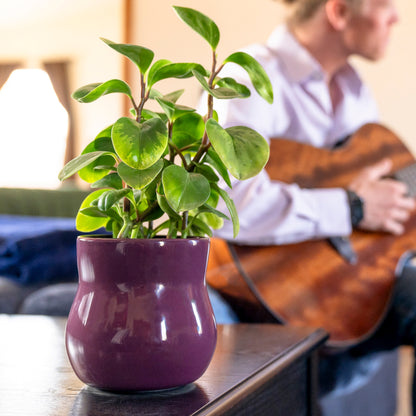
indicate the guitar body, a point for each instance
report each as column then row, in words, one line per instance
column 309, row 283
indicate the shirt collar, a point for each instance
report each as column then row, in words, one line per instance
column 300, row 65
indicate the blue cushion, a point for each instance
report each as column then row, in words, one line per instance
column 37, row 249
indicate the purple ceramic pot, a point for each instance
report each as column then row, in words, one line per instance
column 141, row 319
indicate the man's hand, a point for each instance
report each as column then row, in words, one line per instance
column 386, row 206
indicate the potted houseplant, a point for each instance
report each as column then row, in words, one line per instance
column 141, row 318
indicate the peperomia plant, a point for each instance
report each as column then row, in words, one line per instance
column 166, row 166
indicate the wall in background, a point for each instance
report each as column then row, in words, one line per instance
column 38, row 30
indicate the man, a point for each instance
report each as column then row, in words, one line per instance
column 320, row 99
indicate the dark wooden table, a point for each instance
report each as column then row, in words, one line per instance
column 256, row 370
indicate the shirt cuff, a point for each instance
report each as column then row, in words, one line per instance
column 333, row 211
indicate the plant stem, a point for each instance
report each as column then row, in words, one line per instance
column 144, row 96
column 184, row 221
column 146, row 212
column 179, row 153
column 205, row 144
column 126, row 205
column 134, row 232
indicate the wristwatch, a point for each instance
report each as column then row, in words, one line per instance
column 356, row 208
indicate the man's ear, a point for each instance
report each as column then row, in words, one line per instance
column 338, row 13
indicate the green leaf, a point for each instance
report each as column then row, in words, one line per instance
column 187, row 129
column 208, row 209
column 154, row 68
column 184, row 190
column 231, row 83
column 148, row 114
column 105, row 133
column 231, row 208
column 201, row 24
column 214, row 160
column 243, row 151
column 139, row 145
column 153, row 94
column 138, row 179
column 173, row 96
column 86, row 223
column 112, row 180
column 80, row 162
column 257, row 74
column 212, row 220
column 176, row 70
column 200, row 228
column 154, row 215
column 95, row 171
column 91, row 92
column 207, row 171
column 164, row 205
column 93, row 212
column 139, row 55
column 222, row 93
column 111, row 197
column 173, row 111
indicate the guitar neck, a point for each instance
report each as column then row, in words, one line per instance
column 322, row 168
column 407, row 175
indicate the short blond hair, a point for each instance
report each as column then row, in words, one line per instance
column 303, row 10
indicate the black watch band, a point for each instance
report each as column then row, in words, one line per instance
column 356, row 208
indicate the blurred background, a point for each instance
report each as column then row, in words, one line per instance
column 51, row 47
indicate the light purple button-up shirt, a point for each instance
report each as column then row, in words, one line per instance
column 272, row 212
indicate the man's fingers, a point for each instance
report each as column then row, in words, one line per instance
column 394, row 227
column 379, row 169
column 407, row 204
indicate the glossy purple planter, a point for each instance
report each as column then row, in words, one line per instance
column 141, row 319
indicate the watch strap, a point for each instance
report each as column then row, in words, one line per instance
column 356, row 208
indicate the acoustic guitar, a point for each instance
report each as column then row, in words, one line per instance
column 310, row 283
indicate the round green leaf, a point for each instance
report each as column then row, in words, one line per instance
column 138, row 179
column 139, row 145
column 201, row 24
column 86, row 223
column 191, row 124
column 257, row 74
column 184, row 190
column 92, row 92
column 243, row 151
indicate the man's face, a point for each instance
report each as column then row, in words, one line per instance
column 368, row 29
